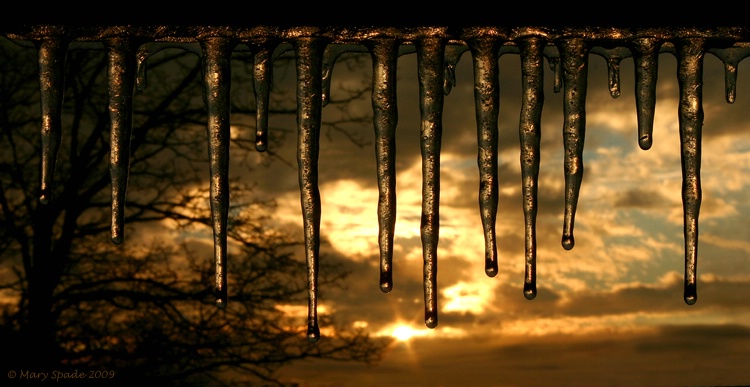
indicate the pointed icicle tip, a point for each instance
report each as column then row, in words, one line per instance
column 529, row 291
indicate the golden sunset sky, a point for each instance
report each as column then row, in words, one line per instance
column 608, row 312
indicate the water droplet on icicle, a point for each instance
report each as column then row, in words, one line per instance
column 121, row 86
column 690, row 54
column 309, row 53
column 262, row 78
column 217, row 81
column 385, row 117
column 431, row 67
column 646, row 62
column 487, row 105
column 532, row 101
column 52, row 52
column 574, row 61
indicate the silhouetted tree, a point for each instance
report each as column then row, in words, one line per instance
column 71, row 299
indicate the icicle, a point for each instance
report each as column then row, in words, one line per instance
column 262, row 78
column 332, row 53
column 487, row 106
column 430, row 61
column 646, row 59
column 613, row 67
column 385, row 117
column 730, row 81
column 216, row 79
column 149, row 49
column 613, row 56
column 309, row 105
column 731, row 57
column 690, row 77
column 141, row 78
column 452, row 56
column 574, row 59
column 52, row 52
column 122, row 71
column 553, row 58
column 530, row 134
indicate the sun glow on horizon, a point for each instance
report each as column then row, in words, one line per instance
column 403, row 332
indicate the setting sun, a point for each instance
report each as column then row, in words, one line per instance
column 405, row 332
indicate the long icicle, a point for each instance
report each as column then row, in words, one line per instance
column 52, row 52
column 574, row 61
column 646, row 58
column 484, row 52
column 309, row 105
column 216, row 79
column 430, row 59
column 385, row 118
column 121, row 86
column 262, row 78
column 530, row 131
column 690, row 54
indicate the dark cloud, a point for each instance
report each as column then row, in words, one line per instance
column 644, row 198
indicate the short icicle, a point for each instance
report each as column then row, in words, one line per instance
column 690, row 53
column 430, row 62
column 574, row 60
column 385, row 118
column 216, row 78
column 141, row 77
column 646, row 60
column 331, row 54
column 487, row 108
column 52, row 52
column 262, row 78
column 552, row 53
column 614, row 57
column 613, row 71
column 452, row 56
column 532, row 79
column 730, row 81
column 121, row 87
column 731, row 57
column 309, row 113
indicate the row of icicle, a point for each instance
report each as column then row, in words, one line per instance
column 436, row 60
